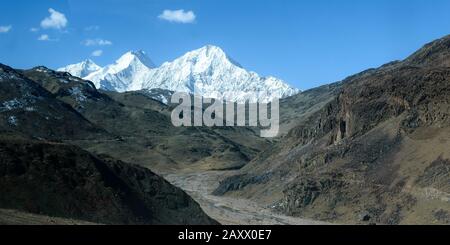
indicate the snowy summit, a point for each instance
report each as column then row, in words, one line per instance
column 207, row 72
column 81, row 69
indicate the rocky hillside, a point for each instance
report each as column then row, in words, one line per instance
column 140, row 128
column 27, row 108
column 376, row 153
column 295, row 109
column 64, row 181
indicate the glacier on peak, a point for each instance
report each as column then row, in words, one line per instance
column 207, row 71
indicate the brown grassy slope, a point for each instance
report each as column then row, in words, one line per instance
column 377, row 153
column 143, row 131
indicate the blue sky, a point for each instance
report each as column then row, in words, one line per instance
column 306, row 43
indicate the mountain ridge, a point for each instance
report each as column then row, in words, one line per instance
column 207, row 71
column 83, row 68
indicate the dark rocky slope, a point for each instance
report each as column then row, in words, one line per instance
column 64, row 181
column 377, row 153
column 28, row 109
column 296, row 109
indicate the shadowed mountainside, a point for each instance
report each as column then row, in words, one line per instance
column 64, row 181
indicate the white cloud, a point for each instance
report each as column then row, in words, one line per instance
column 178, row 16
column 45, row 37
column 56, row 20
column 34, row 29
column 96, row 42
column 5, row 29
column 97, row 53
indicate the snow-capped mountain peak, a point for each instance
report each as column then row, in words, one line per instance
column 127, row 73
column 133, row 57
column 210, row 72
column 81, row 69
column 207, row 71
column 207, row 56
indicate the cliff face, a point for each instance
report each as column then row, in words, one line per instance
column 363, row 156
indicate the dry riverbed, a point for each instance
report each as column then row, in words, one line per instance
column 228, row 210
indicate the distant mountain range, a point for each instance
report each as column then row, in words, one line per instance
column 370, row 149
column 207, row 72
